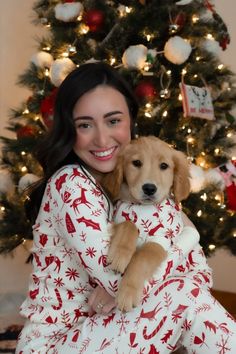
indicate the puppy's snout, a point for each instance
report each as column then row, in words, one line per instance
column 149, row 188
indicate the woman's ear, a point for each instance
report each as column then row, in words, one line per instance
column 181, row 185
column 111, row 181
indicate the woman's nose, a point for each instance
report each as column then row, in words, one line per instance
column 101, row 136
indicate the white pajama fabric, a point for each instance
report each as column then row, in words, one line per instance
column 71, row 240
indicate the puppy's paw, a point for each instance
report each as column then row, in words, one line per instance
column 119, row 258
column 128, row 297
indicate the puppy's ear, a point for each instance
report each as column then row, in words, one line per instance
column 181, row 185
column 112, row 180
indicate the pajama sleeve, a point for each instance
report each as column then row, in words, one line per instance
column 83, row 211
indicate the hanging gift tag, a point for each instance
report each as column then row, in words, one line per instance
column 197, row 102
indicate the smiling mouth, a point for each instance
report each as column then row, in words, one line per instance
column 104, row 153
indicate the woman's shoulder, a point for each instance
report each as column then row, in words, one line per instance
column 71, row 172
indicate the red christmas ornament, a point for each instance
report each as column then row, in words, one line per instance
column 228, row 172
column 47, row 108
column 179, row 19
column 225, row 41
column 145, row 90
column 26, row 131
column 94, row 19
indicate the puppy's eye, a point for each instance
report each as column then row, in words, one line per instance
column 163, row 166
column 137, row 163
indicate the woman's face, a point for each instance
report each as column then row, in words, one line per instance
column 102, row 123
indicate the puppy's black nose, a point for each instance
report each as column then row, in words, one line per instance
column 149, row 188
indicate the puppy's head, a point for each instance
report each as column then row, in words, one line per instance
column 147, row 171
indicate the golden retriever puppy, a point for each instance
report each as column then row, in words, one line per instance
column 150, row 180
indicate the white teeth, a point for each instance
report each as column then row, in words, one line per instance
column 103, row 153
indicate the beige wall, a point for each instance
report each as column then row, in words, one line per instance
column 17, row 44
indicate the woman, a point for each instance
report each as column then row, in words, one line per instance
column 70, row 306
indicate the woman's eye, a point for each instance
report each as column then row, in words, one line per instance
column 164, row 166
column 137, row 163
column 83, row 126
column 114, row 121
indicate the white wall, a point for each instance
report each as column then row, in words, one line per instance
column 18, row 43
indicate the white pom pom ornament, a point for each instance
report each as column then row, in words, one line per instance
column 183, row 2
column 6, row 182
column 177, row 50
column 135, row 56
column 197, row 178
column 211, row 46
column 60, row 69
column 68, row 12
column 26, row 181
column 42, row 59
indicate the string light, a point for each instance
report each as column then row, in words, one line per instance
column 220, row 67
column 204, row 197
column 212, row 247
column 180, row 98
column 26, row 111
column 198, row 58
column 209, row 36
column 184, row 71
column 23, row 153
column 148, row 115
column 112, row 61
column 199, row 213
column 165, row 114
column 24, row 169
column 46, row 72
column 217, row 151
column 195, row 18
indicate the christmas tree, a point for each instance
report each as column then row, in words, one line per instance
column 169, row 52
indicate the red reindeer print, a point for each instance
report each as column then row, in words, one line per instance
column 81, row 200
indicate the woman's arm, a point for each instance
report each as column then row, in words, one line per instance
column 82, row 210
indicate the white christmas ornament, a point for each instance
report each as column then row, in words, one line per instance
column 27, row 180
column 211, row 46
column 183, row 2
column 135, row 56
column 60, row 68
column 68, row 11
column 177, row 50
column 197, row 178
column 213, row 176
column 6, row 182
column 42, row 59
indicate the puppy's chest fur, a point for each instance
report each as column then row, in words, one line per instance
column 161, row 223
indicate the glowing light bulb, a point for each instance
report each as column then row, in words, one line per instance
column 199, row 213
column 212, row 247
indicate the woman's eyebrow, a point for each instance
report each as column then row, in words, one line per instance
column 112, row 113
column 109, row 114
column 83, row 118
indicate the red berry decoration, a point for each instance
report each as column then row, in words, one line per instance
column 27, row 131
column 94, row 19
column 145, row 90
column 47, row 108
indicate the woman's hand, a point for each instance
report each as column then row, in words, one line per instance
column 100, row 302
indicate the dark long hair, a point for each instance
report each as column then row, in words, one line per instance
column 56, row 149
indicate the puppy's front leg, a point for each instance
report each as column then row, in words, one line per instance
column 122, row 246
column 142, row 266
